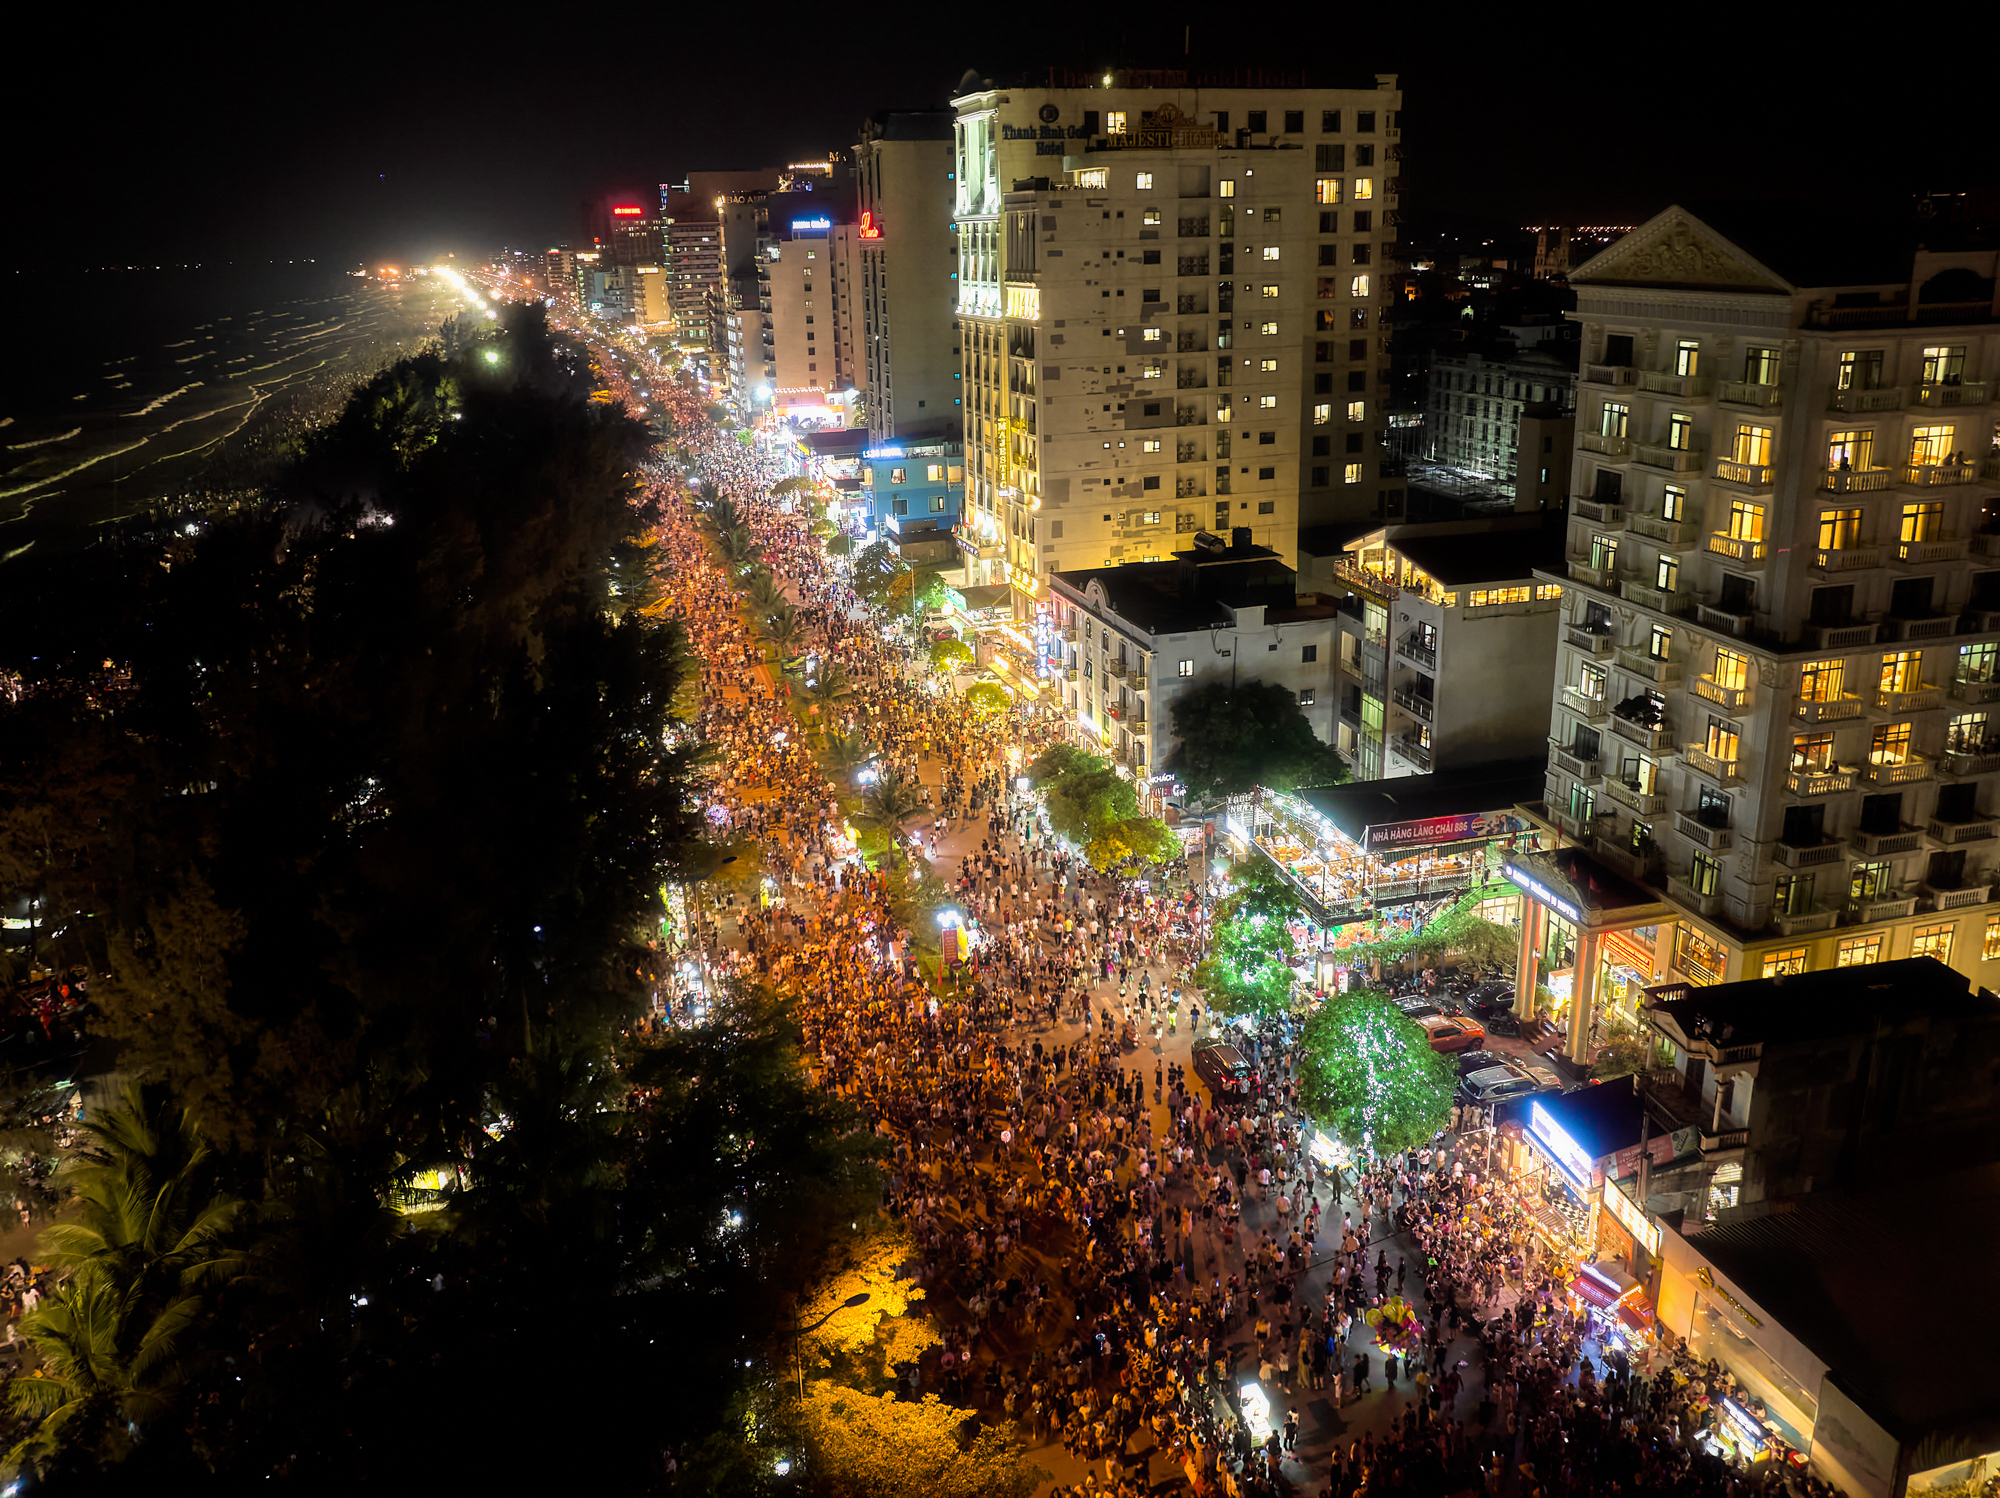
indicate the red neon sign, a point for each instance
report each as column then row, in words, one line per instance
column 628, row 212
column 869, row 228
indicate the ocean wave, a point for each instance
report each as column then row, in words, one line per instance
column 148, row 410
column 182, row 344
column 192, row 357
column 21, row 447
column 54, row 478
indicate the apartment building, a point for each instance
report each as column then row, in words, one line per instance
column 1506, row 412
column 1126, row 640
column 1777, row 672
column 691, row 235
column 805, row 276
column 1170, row 296
column 907, row 259
column 1445, row 635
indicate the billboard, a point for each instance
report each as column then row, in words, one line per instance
column 1459, row 828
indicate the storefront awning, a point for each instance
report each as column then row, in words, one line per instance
column 1599, row 1294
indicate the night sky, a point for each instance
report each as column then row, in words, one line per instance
column 385, row 134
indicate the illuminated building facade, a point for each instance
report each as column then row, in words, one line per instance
column 906, row 257
column 1506, row 413
column 1170, row 297
column 1775, row 687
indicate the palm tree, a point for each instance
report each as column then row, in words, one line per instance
column 888, row 803
column 765, row 595
column 723, row 514
column 739, row 546
column 785, row 630
column 846, row 750
column 824, row 691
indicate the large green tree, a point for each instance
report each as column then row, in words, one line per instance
column 1248, row 968
column 1369, row 1076
column 1234, row 738
column 1094, row 806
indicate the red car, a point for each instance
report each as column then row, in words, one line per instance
column 1452, row 1032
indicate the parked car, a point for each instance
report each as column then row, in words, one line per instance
column 1417, row 1008
column 1222, row 1066
column 1472, row 1061
column 1452, row 1033
column 1499, row 1083
column 1489, row 999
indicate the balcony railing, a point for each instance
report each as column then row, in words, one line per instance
column 1914, row 700
column 1598, row 577
column 1694, row 899
column 1911, row 770
column 1885, row 844
column 1588, row 641
column 1610, row 516
column 1638, row 802
column 1957, row 899
column 1884, row 908
column 1688, row 387
column 1934, row 475
column 1574, row 764
column 1729, row 699
column 1608, row 446
column 1975, row 691
column 1810, row 784
column 1964, row 762
column 1804, row 922
column 1738, row 549
column 1609, row 374
column 1421, row 708
column 1639, row 663
column 1654, row 739
column 1830, row 710
column 1715, row 839
column 1889, row 398
column 1848, row 559
column 1856, row 480
column 1667, row 532
column 1724, row 620
column 1894, row 628
column 1666, row 600
column 1721, row 771
column 1839, row 636
column 1743, row 393
column 1416, row 753
column 1748, row 475
column 1929, row 553
column 1971, row 393
column 1590, row 709
column 1794, row 857
column 1979, row 830
column 1673, row 459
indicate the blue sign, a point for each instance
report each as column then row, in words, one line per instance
column 811, row 223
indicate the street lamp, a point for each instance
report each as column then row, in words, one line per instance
column 799, row 1335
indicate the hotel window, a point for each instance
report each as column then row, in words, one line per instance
column 1752, row 445
column 1590, row 682
column 1351, row 474
column 1226, row 188
column 1933, row 941
column 1151, row 335
column 1151, row 445
column 1358, row 287
column 1267, row 402
column 1784, row 964
column 1269, row 329
column 1732, row 670
column 1760, row 366
column 1615, row 419
column 1839, row 529
column 1660, row 643
column 1327, row 190
column 1859, row 951
column 1992, row 949
column 1152, row 517
column 934, row 473
column 1306, row 697
column 1696, row 956
column 1944, row 366
column 1680, row 432
column 1975, row 662
column 1268, row 366
column 1186, row 667
column 1667, row 573
column 1821, row 681
column 1930, row 446
column 1872, row 879
column 1270, row 252
column 1812, row 751
column 1687, row 357
column 1852, row 450
column 1270, row 292
column 1322, row 413
column 1364, row 188
column 1098, row 177
column 1890, row 745
column 1794, row 895
column 1357, row 410
column 1673, row 503
column 1604, row 553
column 1924, row 522
column 1966, row 734
column 1114, row 122
column 1902, row 671
column 1722, row 740
column 1705, row 874
column 1860, row 369
column 898, row 475
column 1746, row 521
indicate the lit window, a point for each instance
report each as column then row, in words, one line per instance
column 1186, row 667
column 1226, row 188
column 1992, row 937
column 1327, row 189
column 1306, row 697
column 1270, row 291
column 898, row 475
column 1099, row 177
column 1933, row 941
column 1783, row 964
column 1145, row 182
column 1150, row 335
column 1267, row 402
column 1358, row 287
column 1152, row 215
column 1859, row 951
column 934, row 473
column 1357, row 410
column 1269, row 329
column 1270, row 252
column 1151, row 445
column 1364, row 187
column 1930, row 446
column 1152, row 518
column 1269, row 366
column 1114, row 121
column 1351, row 474
column 1322, row 413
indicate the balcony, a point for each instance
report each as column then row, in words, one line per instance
column 1639, row 803
column 1830, row 710
column 1951, row 834
column 1191, row 379
column 1809, row 856
column 1933, row 397
column 1856, row 480
column 1976, row 691
column 1804, row 922
column 1884, row 908
column 1731, row 700
column 1915, row 700
column 1686, row 894
column 1884, row 844
column 1848, row 559
column 1909, row 772
column 1960, row 763
column 1605, row 578
column 1657, row 740
column 1929, row 553
column 1715, row 839
column 1412, row 649
column 1416, row 753
column 1809, row 784
column 1839, row 636
column 1607, row 446
column 1666, row 600
column 1894, row 628
column 1575, row 765
column 1194, row 228
column 1722, row 619
column 1745, row 553
column 1721, row 771
column 1420, row 708
column 1610, row 517
column 1588, row 641
column 1666, row 532
column 1193, row 265
column 1642, row 665
column 1609, row 374
column 1190, row 416
column 1936, row 475
column 1590, row 709
column 1191, row 343
column 1857, row 402
column 1743, row 393
column 1640, row 868
column 1687, row 387
column 1956, row 899
column 1756, row 476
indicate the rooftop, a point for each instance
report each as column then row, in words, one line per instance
column 1602, row 1120
column 1574, row 876
column 1194, row 591
column 1493, row 556
column 1833, row 1001
column 1856, row 1277
column 1474, row 790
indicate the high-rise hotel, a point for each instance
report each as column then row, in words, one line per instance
column 1775, row 709
column 1170, row 301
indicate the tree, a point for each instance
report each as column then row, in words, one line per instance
column 1091, row 804
column 1369, row 1075
column 985, row 701
column 1233, row 739
column 1248, row 969
column 950, row 655
column 868, row 1446
column 892, row 800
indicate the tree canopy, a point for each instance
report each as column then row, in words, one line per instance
column 1233, row 739
column 1248, row 969
column 1369, row 1076
column 1094, row 806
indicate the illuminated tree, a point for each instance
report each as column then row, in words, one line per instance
column 866, row 1446
column 950, row 655
column 986, row 701
column 1368, row 1075
column 1248, row 969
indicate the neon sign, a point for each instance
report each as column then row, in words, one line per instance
column 811, row 223
column 627, row 212
column 869, row 228
column 1564, row 1151
column 1542, row 892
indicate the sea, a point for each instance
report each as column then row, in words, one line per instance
column 129, row 392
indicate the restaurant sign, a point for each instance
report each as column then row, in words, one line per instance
column 1430, row 831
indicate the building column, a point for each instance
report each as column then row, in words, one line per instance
column 1583, row 993
column 1527, row 967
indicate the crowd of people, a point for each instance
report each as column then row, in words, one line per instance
column 1168, row 1288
